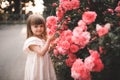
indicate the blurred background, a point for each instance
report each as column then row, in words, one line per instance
column 18, row 10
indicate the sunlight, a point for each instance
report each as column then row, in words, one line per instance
column 37, row 9
column 5, row 4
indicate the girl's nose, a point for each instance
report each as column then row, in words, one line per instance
column 39, row 27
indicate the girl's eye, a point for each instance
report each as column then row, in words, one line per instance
column 41, row 25
column 35, row 26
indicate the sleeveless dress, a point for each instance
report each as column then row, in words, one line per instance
column 37, row 67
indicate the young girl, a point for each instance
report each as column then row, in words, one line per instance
column 38, row 65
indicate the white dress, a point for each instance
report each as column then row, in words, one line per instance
column 37, row 67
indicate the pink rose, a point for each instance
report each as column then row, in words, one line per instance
column 51, row 21
column 89, row 17
column 94, row 53
column 66, row 5
column 61, row 50
column 60, row 13
column 66, row 35
column 75, row 4
column 98, row 65
column 82, row 24
column 70, row 60
column 76, row 40
column 95, row 59
column 74, row 48
column 89, row 63
column 84, row 38
column 79, row 71
column 101, row 31
column 117, row 9
column 65, row 45
column 81, row 39
column 77, row 31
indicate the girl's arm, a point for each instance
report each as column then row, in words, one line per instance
column 42, row 51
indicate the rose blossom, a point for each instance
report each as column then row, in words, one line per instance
column 66, row 35
column 52, row 30
column 70, row 60
column 75, row 4
column 76, row 40
column 89, row 17
column 69, row 4
column 84, row 38
column 81, row 39
column 60, row 13
column 98, row 65
column 93, row 64
column 77, row 31
column 89, row 63
column 117, row 9
column 102, row 30
column 61, row 50
column 79, row 71
column 74, row 48
column 65, row 45
column 51, row 21
column 94, row 53
column 66, row 5
column 95, row 60
column 82, row 24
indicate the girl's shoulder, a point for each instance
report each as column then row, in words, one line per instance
column 32, row 41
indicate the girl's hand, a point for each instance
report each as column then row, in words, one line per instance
column 51, row 37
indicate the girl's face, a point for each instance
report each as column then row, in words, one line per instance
column 37, row 29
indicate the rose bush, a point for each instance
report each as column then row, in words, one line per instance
column 85, row 45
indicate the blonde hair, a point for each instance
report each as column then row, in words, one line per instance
column 35, row 19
